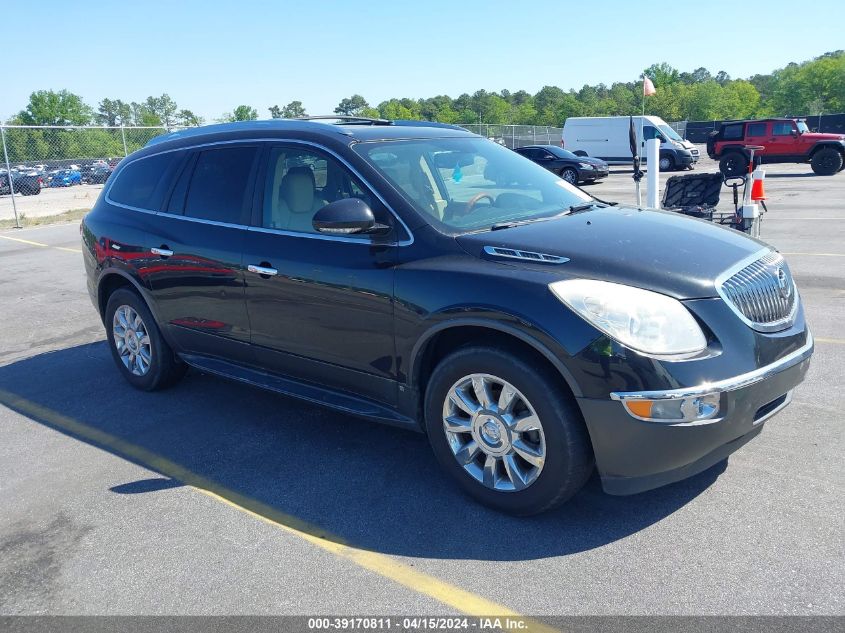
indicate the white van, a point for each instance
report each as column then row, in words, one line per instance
column 606, row 137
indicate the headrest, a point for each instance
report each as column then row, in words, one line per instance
column 297, row 189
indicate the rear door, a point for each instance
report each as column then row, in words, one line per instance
column 195, row 273
column 758, row 133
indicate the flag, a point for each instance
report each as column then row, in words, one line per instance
column 648, row 87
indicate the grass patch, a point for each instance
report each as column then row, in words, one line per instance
column 59, row 218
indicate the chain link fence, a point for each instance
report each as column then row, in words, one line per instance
column 48, row 170
column 514, row 136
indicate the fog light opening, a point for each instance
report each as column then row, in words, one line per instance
column 676, row 410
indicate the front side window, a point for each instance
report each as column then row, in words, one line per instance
column 650, row 132
column 732, row 132
column 466, row 184
column 782, row 128
column 300, row 182
column 219, row 184
column 141, row 183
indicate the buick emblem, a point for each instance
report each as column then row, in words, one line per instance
column 783, row 283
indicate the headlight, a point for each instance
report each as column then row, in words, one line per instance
column 645, row 321
column 585, row 165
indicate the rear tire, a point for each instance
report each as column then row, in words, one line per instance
column 562, row 460
column 826, row 162
column 733, row 164
column 139, row 351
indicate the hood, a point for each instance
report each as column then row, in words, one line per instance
column 656, row 250
column 598, row 162
column 822, row 136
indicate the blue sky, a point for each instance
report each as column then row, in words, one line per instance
column 212, row 56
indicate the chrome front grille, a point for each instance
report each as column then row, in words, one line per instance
column 762, row 292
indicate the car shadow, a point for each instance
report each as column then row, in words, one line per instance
column 372, row 486
column 805, row 175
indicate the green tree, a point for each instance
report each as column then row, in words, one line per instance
column 352, row 106
column 113, row 112
column 47, row 107
column 163, row 108
column 241, row 113
column 294, row 110
column 186, row 118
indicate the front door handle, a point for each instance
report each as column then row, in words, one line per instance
column 162, row 250
column 264, row 271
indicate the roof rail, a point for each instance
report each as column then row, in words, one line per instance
column 347, row 119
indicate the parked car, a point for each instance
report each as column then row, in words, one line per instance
column 96, row 174
column 573, row 169
column 26, row 183
column 65, row 178
column 531, row 331
column 607, row 138
column 782, row 140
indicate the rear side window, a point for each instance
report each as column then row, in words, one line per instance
column 219, row 185
column 756, row 129
column 732, row 132
column 142, row 182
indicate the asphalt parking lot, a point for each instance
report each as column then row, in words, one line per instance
column 214, row 498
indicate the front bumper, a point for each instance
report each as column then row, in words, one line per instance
column 591, row 175
column 633, row 455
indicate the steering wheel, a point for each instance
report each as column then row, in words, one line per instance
column 476, row 199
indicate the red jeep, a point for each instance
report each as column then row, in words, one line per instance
column 784, row 140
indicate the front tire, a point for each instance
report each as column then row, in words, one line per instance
column 506, row 431
column 667, row 163
column 140, row 352
column 570, row 175
column 826, row 162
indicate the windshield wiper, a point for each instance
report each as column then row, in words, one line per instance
column 586, row 206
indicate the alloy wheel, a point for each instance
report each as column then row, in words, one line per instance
column 132, row 340
column 494, row 432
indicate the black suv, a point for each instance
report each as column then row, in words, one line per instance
column 528, row 329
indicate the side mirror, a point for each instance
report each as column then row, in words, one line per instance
column 546, row 157
column 347, row 216
column 794, row 133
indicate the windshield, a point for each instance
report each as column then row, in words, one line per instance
column 562, row 153
column 467, row 184
column 668, row 131
column 802, row 127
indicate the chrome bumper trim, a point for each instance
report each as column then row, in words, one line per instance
column 729, row 384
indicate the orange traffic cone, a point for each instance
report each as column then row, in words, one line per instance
column 757, row 191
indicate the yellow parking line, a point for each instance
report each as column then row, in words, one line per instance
column 835, row 341
column 40, row 244
column 459, row 599
column 816, row 254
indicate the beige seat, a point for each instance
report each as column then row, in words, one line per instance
column 297, row 201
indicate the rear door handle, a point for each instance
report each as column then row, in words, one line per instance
column 262, row 270
column 162, row 250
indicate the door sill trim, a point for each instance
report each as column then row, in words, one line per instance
column 309, row 392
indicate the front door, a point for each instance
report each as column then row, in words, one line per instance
column 196, row 275
column 320, row 306
column 784, row 140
